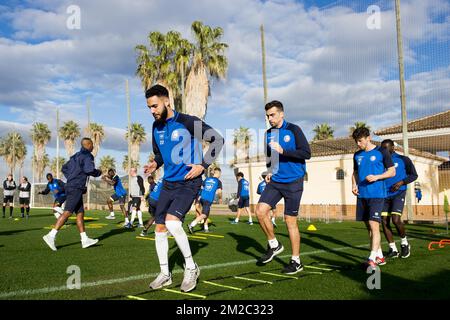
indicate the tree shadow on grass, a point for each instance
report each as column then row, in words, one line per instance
column 114, row 232
column 177, row 257
column 245, row 244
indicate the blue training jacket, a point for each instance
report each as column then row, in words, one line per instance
column 404, row 170
column 178, row 142
column 79, row 167
column 290, row 165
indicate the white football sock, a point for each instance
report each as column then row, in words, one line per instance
column 404, row 241
column 162, row 249
column 139, row 214
column 84, row 236
column 127, row 221
column 393, row 246
column 194, row 223
column 296, row 259
column 53, row 233
column 273, row 243
column 177, row 231
column 380, row 253
column 133, row 216
column 59, row 210
column 112, row 213
column 373, row 255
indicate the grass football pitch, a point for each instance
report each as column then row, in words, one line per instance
column 122, row 264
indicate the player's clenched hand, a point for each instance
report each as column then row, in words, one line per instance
column 276, row 146
column 196, row 170
column 372, row 178
column 355, row 190
column 396, row 186
column 150, row 168
column 268, row 177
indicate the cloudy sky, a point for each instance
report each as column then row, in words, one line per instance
column 323, row 61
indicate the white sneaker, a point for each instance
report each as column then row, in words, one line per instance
column 110, row 217
column 50, row 241
column 190, row 279
column 88, row 242
column 161, row 281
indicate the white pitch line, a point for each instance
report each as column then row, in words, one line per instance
column 27, row 292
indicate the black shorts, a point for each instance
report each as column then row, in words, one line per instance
column 60, row 200
column 244, row 202
column 152, row 206
column 394, row 205
column 134, row 202
column 369, row 209
column 206, row 207
column 8, row 199
column 25, row 201
column 115, row 197
column 74, row 201
column 176, row 198
column 291, row 192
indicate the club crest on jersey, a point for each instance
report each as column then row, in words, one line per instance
column 175, row 135
column 396, row 164
column 287, row 138
column 373, row 158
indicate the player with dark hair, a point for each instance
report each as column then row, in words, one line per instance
column 24, row 196
column 405, row 173
column 243, row 194
column 286, row 151
column 120, row 194
column 9, row 185
column 77, row 171
column 211, row 185
column 372, row 165
column 177, row 144
column 57, row 188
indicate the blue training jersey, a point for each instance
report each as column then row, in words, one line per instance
column 118, row 187
column 373, row 162
column 404, row 170
column 261, row 187
column 178, row 142
column 290, row 165
column 210, row 186
column 58, row 186
column 156, row 190
column 243, row 188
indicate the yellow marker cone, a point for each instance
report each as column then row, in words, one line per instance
column 311, row 228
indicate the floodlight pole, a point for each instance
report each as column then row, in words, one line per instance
column 129, row 136
column 403, row 102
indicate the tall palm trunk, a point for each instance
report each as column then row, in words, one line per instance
column 166, row 85
column 69, row 144
column 197, row 91
column 135, row 148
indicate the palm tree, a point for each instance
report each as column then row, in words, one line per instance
column 13, row 150
column 138, row 136
column 57, row 171
column 241, row 142
column 97, row 135
column 357, row 124
column 134, row 163
column 106, row 163
column 44, row 162
column 208, row 62
column 156, row 64
column 40, row 135
column 323, row 132
column 69, row 132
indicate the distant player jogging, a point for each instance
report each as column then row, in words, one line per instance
column 120, row 194
column 57, row 188
column 243, row 194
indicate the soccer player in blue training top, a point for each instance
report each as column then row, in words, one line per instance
column 261, row 186
column 405, row 173
column 286, row 151
column 55, row 186
column 177, row 144
column 77, row 172
column 371, row 166
column 152, row 200
column 211, row 185
column 244, row 198
column 119, row 194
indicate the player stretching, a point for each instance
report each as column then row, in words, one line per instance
column 211, row 185
column 177, row 144
column 286, row 150
column 405, row 173
column 55, row 186
column 371, row 165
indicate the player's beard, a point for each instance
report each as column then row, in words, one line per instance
column 163, row 116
